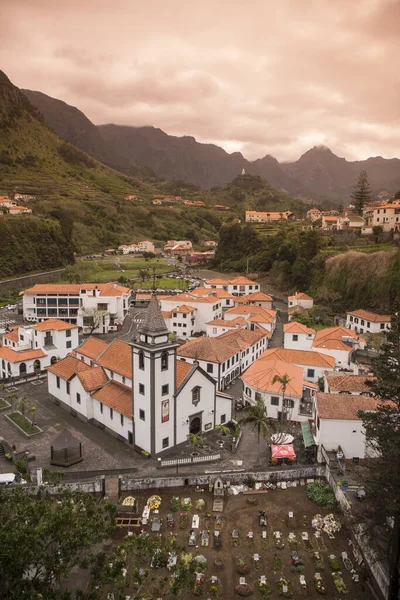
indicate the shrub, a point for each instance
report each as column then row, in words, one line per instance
column 321, row 493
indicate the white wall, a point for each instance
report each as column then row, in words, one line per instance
column 114, row 423
column 342, row 357
column 205, row 311
column 272, row 410
column 363, row 325
column 304, row 341
column 185, row 408
column 347, row 434
column 85, row 408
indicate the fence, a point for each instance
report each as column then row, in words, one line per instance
column 176, row 462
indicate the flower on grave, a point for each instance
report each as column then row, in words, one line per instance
column 154, row 502
column 129, row 501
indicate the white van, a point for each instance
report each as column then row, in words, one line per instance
column 8, row 478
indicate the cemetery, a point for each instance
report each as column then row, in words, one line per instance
column 230, row 543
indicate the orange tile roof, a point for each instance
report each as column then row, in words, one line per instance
column 261, row 374
column 330, row 218
column 92, row 378
column 206, row 348
column 300, row 296
column 143, row 296
column 369, row 316
column 105, row 289
column 240, row 321
column 54, row 325
column 67, row 367
column 242, row 281
column 299, row 357
column 295, row 327
column 117, row 357
column 244, row 338
column 332, row 338
column 216, row 292
column 339, row 406
column 14, row 356
column 182, row 369
column 92, row 347
column 184, row 309
column 217, row 281
column 188, row 298
column 167, row 314
column 261, row 314
column 348, row 383
column 258, row 296
column 117, row 396
column 13, row 336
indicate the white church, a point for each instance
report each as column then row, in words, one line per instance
column 140, row 392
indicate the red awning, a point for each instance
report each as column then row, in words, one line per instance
column 284, row 451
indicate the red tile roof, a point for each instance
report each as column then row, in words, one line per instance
column 261, row 374
column 295, row 327
column 92, row 378
column 369, row 316
column 14, row 356
column 342, row 406
column 67, row 367
column 299, row 357
column 117, row 357
column 117, row 396
column 182, row 369
column 348, row 383
column 54, row 325
column 92, row 348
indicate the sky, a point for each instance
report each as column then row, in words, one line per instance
column 260, row 77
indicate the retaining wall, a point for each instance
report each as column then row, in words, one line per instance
column 27, row 281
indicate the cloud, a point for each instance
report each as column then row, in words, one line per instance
column 260, row 77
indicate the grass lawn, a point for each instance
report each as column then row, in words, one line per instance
column 4, row 403
column 112, row 268
column 164, row 283
column 23, row 423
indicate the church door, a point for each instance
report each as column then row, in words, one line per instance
column 195, row 425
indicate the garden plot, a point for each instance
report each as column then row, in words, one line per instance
column 284, row 546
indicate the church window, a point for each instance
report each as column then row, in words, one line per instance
column 223, row 419
column 165, row 442
column 141, row 360
column 210, row 367
column 165, row 390
column 141, row 415
column 141, row 388
column 196, row 395
column 164, row 361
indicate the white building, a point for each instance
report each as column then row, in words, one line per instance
column 169, row 398
column 259, row 299
column 298, row 336
column 146, row 246
column 340, row 343
column 386, row 216
column 350, row 222
column 363, row 321
column 227, row 299
column 296, row 404
column 256, row 316
column 128, row 248
column 219, row 326
column 225, row 357
column 207, row 308
column 254, row 216
column 337, row 423
column 314, row 364
column 314, row 214
column 19, row 210
column 240, row 286
column 345, row 383
column 103, row 304
column 29, row 349
column 299, row 299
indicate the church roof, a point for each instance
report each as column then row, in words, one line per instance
column 153, row 321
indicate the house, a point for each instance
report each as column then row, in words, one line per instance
column 314, row 214
column 225, row 357
column 329, row 222
column 24, row 197
column 169, row 398
column 254, row 216
column 219, row 326
column 314, row 364
column 146, row 246
column 386, row 216
column 346, row 383
column 207, row 308
column 227, row 299
column 19, row 210
column 7, row 203
column 340, row 343
column 210, row 244
column 350, row 221
column 363, row 321
column 296, row 404
column 156, row 202
column 199, row 258
column 259, row 299
column 103, row 306
column 337, row 423
column 220, row 207
column 298, row 336
column 130, row 197
column 29, row 349
column 175, row 247
column 300, row 299
column 256, row 316
column 128, row 248
column 242, row 286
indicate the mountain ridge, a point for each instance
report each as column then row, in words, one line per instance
column 318, row 174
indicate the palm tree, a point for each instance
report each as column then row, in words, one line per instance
column 222, row 429
column 196, row 439
column 283, row 380
column 258, row 418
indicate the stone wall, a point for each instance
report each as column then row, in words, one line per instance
column 28, row 281
column 128, row 484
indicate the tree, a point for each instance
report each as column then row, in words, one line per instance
column 362, row 192
column 144, row 274
column 196, row 439
column 257, row 417
column 222, row 429
column 93, row 318
column 382, row 480
column 42, row 540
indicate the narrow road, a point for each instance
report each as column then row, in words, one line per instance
column 277, row 339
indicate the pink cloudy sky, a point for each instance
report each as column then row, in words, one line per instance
column 261, row 77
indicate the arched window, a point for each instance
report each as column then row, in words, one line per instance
column 196, row 395
column 3, row 364
column 36, row 365
column 53, row 360
column 248, row 392
column 22, row 369
column 141, row 360
column 164, row 361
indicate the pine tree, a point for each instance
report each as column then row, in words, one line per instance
column 362, row 192
column 382, row 481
